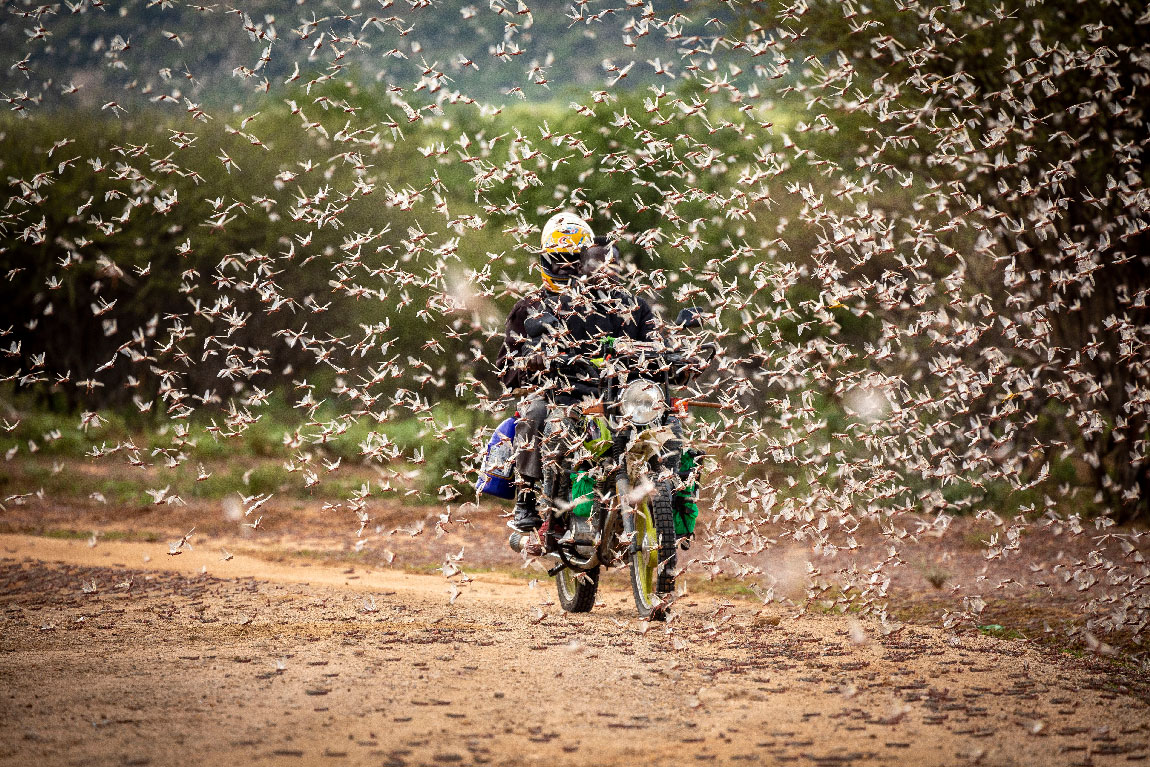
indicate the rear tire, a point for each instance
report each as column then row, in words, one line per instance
column 577, row 594
column 653, row 564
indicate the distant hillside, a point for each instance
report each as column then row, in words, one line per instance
column 493, row 52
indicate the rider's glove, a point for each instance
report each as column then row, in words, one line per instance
column 536, row 362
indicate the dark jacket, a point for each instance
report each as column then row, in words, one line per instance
column 588, row 317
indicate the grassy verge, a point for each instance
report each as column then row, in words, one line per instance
column 40, row 445
column 114, row 483
column 72, row 534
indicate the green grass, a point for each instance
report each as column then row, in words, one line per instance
column 44, row 445
column 66, row 535
column 935, row 575
column 255, row 457
column 115, row 489
column 1000, row 632
column 720, row 587
column 126, row 485
column 977, row 539
column 70, row 534
column 59, row 434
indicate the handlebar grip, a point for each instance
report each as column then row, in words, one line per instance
column 576, row 363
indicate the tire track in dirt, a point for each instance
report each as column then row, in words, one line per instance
column 110, row 659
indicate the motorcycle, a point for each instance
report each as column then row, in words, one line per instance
column 612, row 454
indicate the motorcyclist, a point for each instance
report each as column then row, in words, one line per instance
column 578, row 288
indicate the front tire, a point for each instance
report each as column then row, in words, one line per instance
column 577, row 594
column 653, row 563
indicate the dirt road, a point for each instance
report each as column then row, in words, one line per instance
column 119, row 654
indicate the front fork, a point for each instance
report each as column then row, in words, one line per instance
column 623, row 492
column 682, row 465
column 669, row 459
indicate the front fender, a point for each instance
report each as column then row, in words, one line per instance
column 644, row 445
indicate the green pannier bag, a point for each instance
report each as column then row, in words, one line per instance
column 582, row 493
column 684, row 503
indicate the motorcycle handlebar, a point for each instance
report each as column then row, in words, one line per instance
column 575, row 363
column 580, row 365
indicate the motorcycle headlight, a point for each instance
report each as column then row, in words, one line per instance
column 642, row 402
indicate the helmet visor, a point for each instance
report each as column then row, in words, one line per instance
column 560, row 264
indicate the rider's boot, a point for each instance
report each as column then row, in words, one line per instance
column 526, row 516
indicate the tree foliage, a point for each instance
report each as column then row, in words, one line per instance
column 1020, row 132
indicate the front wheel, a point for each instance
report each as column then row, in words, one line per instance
column 577, row 589
column 653, row 563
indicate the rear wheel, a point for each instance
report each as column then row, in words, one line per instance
column 653, row 563
column 577, row 589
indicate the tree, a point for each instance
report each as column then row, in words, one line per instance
column 1020, row 130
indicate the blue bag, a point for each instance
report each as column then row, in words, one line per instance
column 496, row 473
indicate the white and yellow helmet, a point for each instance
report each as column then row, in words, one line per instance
column 565, row 236
column 566, row 233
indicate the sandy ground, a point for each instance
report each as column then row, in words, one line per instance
column 119, row 654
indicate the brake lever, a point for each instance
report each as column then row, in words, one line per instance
column 579, row 364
